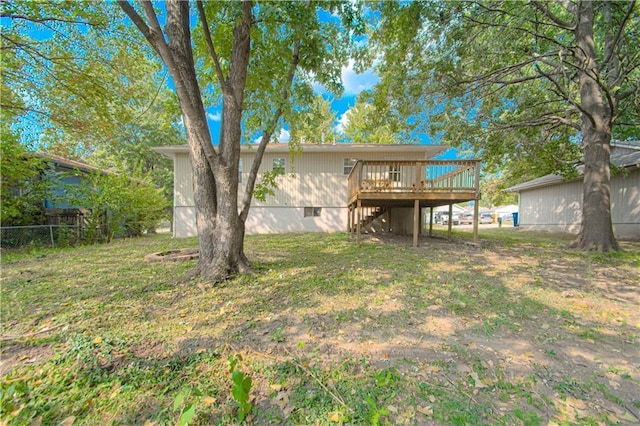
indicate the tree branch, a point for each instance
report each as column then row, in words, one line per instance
column 559, row 22
column 212, row 50
column 266, row 135
column 619, row 33
column 44, row 20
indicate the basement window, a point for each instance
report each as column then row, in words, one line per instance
column 312, row 211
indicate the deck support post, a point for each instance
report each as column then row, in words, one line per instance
column 416, row 222
column 431, row 221
column 358, row 221
column 450, row 222
column 476, row 213
column 388, row 225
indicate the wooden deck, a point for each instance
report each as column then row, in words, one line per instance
column 378, row 186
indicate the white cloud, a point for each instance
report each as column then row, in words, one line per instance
column 283, row 137
column 343, row 121
column 214, row 116
column 355, row 83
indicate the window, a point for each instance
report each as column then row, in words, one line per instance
column 240, row 171
column 312, row 211
column 394, row 173
column 348, row 165
column 278, row 165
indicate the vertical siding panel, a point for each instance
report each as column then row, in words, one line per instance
column 183, row 193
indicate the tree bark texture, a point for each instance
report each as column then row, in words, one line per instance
column 596, row 230
column 215, row 174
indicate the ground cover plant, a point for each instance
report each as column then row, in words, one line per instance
column 518, row 331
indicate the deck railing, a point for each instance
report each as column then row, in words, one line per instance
column 414, row 176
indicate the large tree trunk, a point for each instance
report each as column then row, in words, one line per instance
column 215, row 174
column 596, row 230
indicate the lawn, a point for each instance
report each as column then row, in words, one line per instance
column 519, row 331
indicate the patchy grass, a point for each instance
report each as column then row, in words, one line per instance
column 518, row 332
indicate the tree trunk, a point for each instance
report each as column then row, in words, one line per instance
column 596, row 230
column 215, row 174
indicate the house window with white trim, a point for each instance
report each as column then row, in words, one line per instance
column 278, row 165
column 348, row 164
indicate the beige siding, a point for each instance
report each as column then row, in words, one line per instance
column 314, row 179
column 183, row 184
column 559, row 207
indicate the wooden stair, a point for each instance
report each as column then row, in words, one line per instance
column 373, row 213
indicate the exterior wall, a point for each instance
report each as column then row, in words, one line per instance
column 625, row 205
column 184, row 221
column 559, row 207
column 312, row 179
column 271, row 220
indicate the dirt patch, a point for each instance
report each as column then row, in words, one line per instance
column 178, row 255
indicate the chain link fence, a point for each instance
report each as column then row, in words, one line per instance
column 40, row 235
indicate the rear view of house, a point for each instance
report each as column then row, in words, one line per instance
column 312, row 188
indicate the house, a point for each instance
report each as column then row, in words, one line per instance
column 64, row 172
column 334, row 187
column 552, row 203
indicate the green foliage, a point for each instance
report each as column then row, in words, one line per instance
column 79, row 84
column 23, row 187
column 325, row 46
column 187, row 410
column 366, row 124
column 119, row 204
column 500, row 78
column 241, row 388
column 314, row 123
column 492, row 189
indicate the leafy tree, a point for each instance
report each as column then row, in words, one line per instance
column 119, row 204
column 80, row 85
column 23, row 190
column 250, row 54
column 366, row 125
column 493, row 193
column 313, row 123
column 538, row 82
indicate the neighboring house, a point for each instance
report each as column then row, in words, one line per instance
column 64, row 172
column 552, row 203
column 315, row 192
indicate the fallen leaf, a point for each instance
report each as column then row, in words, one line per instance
column 427, row 411
column 97, row 340
column 209, row 400
column 68, row 421
column 335, row 417
column 478, row 383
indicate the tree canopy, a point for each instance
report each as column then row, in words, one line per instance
column 78, row 84
column 530, row 86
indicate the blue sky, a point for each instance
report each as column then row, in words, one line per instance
column 354, row 83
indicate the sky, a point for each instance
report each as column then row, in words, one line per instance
column 354, row 83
